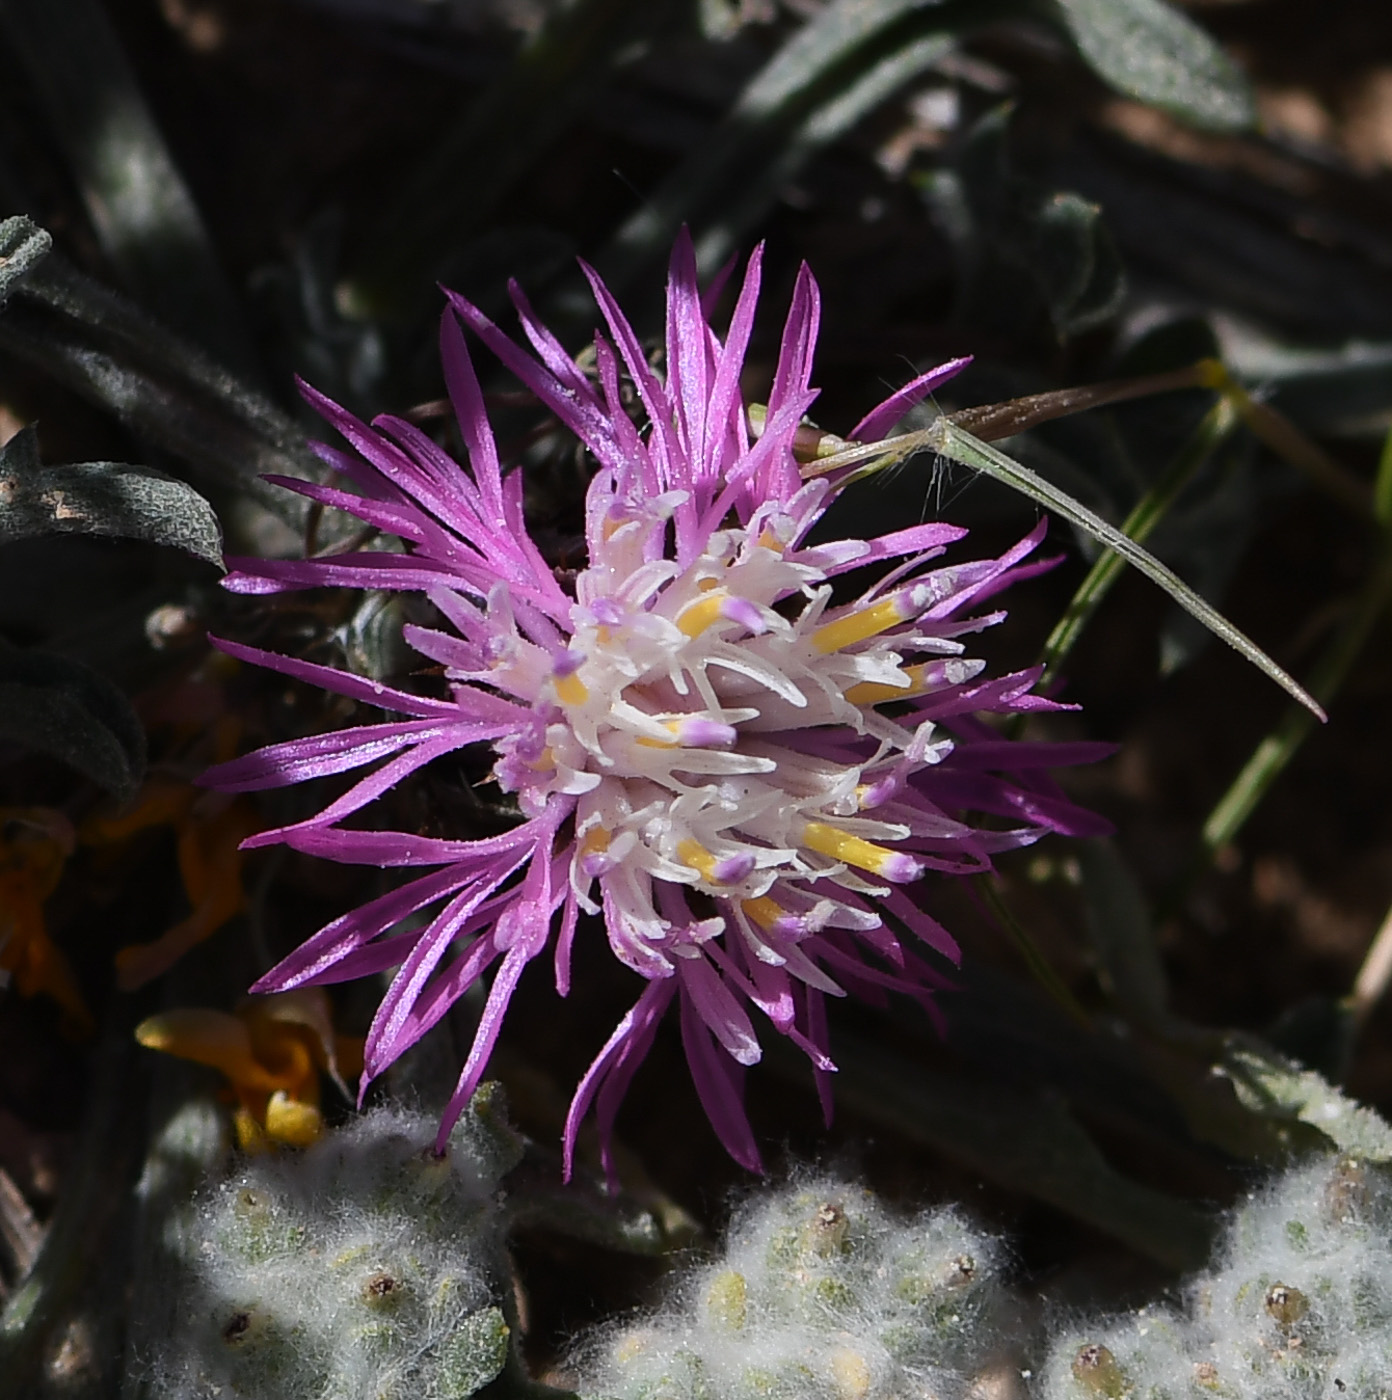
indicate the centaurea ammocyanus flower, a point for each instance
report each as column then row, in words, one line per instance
column 739, row 774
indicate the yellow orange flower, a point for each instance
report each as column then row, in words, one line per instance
column 273, row 1051
column 209, row 831
column 35, row 842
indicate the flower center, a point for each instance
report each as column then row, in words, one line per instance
column 717, row 730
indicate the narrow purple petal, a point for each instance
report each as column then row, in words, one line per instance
column 656, row 400
column 887, row 415
column 980, row 581
column 392, row 848
column 390, row 1025
column 391, row 516
column 710, row 997
column 368, row 789
column 413, row 478
column 467, row 399
column 360, row 688
column 688, row 349
column 349, row 932
column 490, row 1024
column 359, row 570
column 565, row 939
column 298, row 760
column 925, row 539
column 585, row 417
column 921, row 924
column 720, row 1084
column 625, row 1047
column 550, row 350
column 724, row 400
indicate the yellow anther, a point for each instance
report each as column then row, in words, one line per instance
column 858, row 625
column 764, row 911
column 706, row 584
column 596, row 841
column 697, row 616
column 570, row 690
column 876, row 692
column 673, row 727
column 694, row 854
column 853, row 850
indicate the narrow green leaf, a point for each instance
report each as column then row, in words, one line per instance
column 1215, row 428
column 1150, row 51
column 23, row 244
column 1027, row 1142
column 959, row 446
column 137, row 201
column 1030, row 951
column 1122, row 934
column 67, row 710
column 1277, row 1088
column 846, row 60
column 1382, row 489
column 943, row 436
column 1276, row 750
column 102, row 498
column 109, row 351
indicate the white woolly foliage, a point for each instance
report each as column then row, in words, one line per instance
column 822, row 1294
column 363, row 1268
column 1298, row 1306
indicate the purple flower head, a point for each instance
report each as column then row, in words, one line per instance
column 740, row 776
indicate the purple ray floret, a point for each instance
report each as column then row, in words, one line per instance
column 731, row 774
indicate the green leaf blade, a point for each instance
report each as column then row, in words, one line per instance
column 102, row 498
column 61, row 707
column 23, row 244
column 1150, row 51
column 960, row 446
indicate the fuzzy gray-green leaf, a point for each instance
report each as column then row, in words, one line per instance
column 22, row 244
column 1152, row 52
column 102, row 498
column 67, row 710
column 1269, row 1084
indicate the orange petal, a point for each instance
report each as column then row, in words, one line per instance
column 207, row 1037
column 305, row 1007
column 139, row 963
column 162, row 801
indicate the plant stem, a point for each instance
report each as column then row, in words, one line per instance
column 1034, row 957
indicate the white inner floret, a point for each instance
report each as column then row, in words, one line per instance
column 694, row 715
